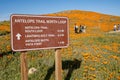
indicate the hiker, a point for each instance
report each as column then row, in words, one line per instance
column 80, row 29
column 76, row 28
column 118, row 26
column 115, row 27
column 84, row 28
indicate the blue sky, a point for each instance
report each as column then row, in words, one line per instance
column 8, row 7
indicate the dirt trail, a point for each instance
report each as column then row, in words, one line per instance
column 114, row 31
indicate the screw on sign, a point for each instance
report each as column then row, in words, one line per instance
column 31, row 32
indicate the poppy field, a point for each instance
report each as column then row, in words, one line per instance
column 93, row 55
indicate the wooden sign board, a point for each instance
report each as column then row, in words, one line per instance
column 31, row 32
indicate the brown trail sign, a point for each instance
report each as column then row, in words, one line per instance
column 30, row 32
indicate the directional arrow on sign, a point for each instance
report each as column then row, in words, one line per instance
column 18, row 35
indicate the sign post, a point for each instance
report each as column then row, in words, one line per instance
column 24, row 68
column 58, row 65
column 32, row 32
